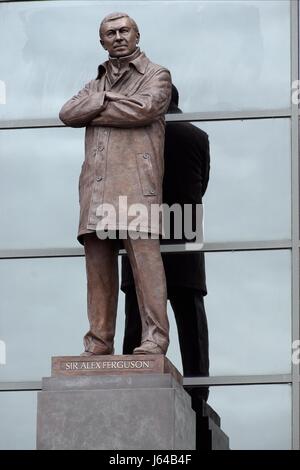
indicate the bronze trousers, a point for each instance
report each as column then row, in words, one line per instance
column 103, row 287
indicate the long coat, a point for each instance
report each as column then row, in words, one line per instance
column 124, row 141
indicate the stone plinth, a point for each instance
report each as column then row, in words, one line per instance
column 98, row 403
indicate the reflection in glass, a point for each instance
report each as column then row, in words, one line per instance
column 18, row 420
column 249, row 312
column 249, row 192
column 46, row 299
column 43, row 314
column 248, row 309
column 250, row 40
column 39, row 184
column 248, row 195
column 254, row 417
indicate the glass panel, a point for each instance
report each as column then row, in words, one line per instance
column 40, row 171
column 43, row 314
column 46, row 299
column 254, row 417
column 249, row 312
column 249, row 193
column 18, row 420
column 248, row 309
column 250, row 39
column 248, row 196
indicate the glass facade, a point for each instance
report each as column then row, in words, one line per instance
column 251, row 159
column 248, row 416
column 233, row 63
column 250, row 40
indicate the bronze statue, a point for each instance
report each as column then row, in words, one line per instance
column 123, row 112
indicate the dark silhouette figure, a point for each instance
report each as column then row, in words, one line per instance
column 187, row 165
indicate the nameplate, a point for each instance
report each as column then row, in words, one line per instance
column 98, row 365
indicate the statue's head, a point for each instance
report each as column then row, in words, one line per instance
column 119, row 34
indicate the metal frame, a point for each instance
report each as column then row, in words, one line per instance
column 294, row 14
column 293, row 245
column 184, row 117
column 180, row 248
column 187, row 381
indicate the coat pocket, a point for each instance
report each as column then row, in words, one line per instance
column 146, row 174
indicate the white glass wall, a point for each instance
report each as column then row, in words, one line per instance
column 233, row 55
column 231, row 61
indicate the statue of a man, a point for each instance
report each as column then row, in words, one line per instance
column 123, row 112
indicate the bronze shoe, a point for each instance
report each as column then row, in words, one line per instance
column 87, row 353
column 98, row 353
column 147, row 347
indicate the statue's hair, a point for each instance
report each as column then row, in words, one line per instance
column 115, row 16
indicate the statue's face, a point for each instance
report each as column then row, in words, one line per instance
column 119, row 37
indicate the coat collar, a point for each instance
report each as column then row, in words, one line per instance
column 138, row 59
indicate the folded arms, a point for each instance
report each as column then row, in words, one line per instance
column 107, row 108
